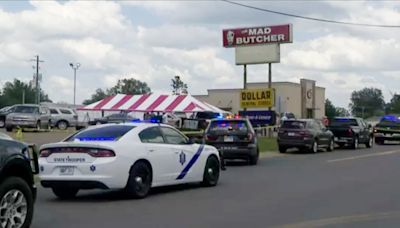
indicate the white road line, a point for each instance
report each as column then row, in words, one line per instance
column 364, row 156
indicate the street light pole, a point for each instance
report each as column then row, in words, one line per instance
column 75, row 67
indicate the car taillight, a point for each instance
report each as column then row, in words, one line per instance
column 211, row 137
column 350, row 132
column 44, row 153
column 91, row 151
column 250, row 137
column 101, row 153
column 304, row 133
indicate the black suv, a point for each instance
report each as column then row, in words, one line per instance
column 351, row 131
column 306, row 134
column 234, row 139
column 18, row 163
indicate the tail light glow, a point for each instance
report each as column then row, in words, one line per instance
column 211, row 137
column 350, row 132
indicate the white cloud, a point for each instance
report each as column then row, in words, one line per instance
column 111, row 44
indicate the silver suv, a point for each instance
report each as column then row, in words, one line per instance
column 62, row 118
column 28, row 115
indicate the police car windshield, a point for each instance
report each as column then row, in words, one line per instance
column 343, row 122
column 106, row 133
column 229, row 125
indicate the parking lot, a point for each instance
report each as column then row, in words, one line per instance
column 344, row 188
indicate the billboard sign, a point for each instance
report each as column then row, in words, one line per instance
column 260, row 117
column 257, row 35
column 257, row 98
column 257, row 54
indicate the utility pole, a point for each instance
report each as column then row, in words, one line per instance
column 37, row 81
column 245, row 80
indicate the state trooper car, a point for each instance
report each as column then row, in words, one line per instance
column 129, row 156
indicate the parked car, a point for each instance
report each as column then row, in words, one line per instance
column 62, row 118
column 28, row 115
column 351, row 131
column 234, row 139
column 308, row 134
column 387, row 130
column 18, row 164
column 113, row 118
column 3, row 113
column 133, row 157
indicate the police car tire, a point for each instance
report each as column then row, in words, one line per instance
column 17, row 183
column 65, row 192
column 211, row 179
column 135, row 189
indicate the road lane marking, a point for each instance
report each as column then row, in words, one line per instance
column 343, row 220
column 364, row 156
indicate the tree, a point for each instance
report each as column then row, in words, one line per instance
column 339, row 111
column 178, row 87
column 129, row 86
column 126, row 86
column 330, row 109
column 393, row 107
column 17, row 91
column 98, row 95
column 367, row 102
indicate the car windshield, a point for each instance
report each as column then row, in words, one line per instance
column 105, row 133
column 388, row 123
column 343, row 122
column 294, row 124
column 229, row 125
column 26, row 109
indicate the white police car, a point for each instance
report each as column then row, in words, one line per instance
column 129, row 156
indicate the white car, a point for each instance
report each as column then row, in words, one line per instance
column 129, row 156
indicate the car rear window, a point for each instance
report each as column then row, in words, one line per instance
column 106, row 133
column 294, row 124
column 343, row 122
column 229, row 125
column 26, row 109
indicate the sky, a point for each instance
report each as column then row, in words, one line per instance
column 153, row 41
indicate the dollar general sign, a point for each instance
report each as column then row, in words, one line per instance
column 257, row 98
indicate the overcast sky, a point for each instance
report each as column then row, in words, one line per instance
column 154, row 40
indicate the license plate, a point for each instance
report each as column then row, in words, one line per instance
column 67, row 170
column 228, row 138
column 229, row 148
column 291, row 134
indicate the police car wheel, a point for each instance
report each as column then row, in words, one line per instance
column 211, row 172
column 65, row 192
column 139, row 182
column 16, row 203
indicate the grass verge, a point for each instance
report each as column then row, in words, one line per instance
column 267, row 144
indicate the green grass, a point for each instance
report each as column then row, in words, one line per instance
column 267, row 144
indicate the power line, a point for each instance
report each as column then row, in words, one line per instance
column 311, row 18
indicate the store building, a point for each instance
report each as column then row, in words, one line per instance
column 304, row 99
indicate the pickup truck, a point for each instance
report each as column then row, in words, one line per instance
column 18, row 164
column 388, row 129
column 351, row 131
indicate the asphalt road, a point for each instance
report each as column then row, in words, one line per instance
column 345, row 188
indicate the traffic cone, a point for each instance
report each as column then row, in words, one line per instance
column 18, row 135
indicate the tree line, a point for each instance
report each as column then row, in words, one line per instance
column 365, row 103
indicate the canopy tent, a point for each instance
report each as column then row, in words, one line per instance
column 152, row 103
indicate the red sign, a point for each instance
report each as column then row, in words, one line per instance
column 257, row 35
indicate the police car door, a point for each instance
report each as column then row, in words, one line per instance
column 183, row 152
column 160, row 155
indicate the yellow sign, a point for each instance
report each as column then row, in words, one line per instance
column 257, row 98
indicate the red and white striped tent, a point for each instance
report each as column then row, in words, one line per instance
column 151, row 103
